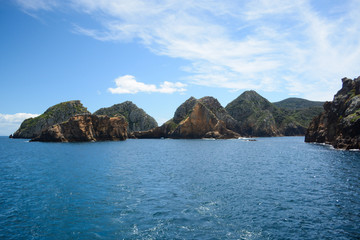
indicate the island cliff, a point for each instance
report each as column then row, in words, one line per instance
column 137, row 118
column 86, row 128
column 58, row 113
column 203, row 118
column 339, row 124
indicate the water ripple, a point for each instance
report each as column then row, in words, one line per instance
column 275, row 188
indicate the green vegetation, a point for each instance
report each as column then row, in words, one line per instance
column 305, row 116
column 297, row 103
column 354, row 117
column 30, row 122
column 65, row 108
column 352, row 93
column 171, row 125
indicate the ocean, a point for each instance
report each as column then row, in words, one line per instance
column 272, row 188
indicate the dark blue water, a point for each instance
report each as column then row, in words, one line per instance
column 274, row 188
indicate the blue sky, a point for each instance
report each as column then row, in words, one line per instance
column 159, row 53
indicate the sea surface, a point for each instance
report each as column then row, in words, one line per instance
column 272, row 188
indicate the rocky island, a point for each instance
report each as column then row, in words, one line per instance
column 32, row 127
column 249, row 115
column 339, row 124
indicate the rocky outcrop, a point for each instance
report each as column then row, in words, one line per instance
column 254, row 114
column 184, row 110
column 339, row 124
column 258, row 117
column 203, row 123
column 61, row 112
column 86, row 128
column 203, row 118
column 137, row 118
column 215, row 107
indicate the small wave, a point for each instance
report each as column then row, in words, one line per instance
column 354, row 150
column 332, row 147
column 135, row 230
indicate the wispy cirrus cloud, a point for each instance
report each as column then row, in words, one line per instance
column 10, row 122
column 33, row 5
column 294, row 46
column 128, row 85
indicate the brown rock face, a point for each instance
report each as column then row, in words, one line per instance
column 339, row 124
column 202, row 123
column 85, row 128
column 198, row 121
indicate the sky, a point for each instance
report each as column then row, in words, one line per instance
column 158, row 53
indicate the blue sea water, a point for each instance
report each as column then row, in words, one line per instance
column 274, row 188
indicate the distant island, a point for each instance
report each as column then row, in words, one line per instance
column 249, row 115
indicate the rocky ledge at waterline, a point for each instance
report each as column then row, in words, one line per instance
column 86, row 128
column 339, row 124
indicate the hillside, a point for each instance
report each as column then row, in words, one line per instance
column 259, row 117
column 298, row 103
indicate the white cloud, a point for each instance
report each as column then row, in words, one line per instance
column 232, row 44
column 128, row 84
column 9, row 123
column 17, row 117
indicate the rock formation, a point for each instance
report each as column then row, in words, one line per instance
column 85, row 128
column 184, row 110
column 203, row 118
column 58, row 113
column 254, row 113
column 137, row 118
column 258, row 117
column 248, row 115
column 339, row 124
